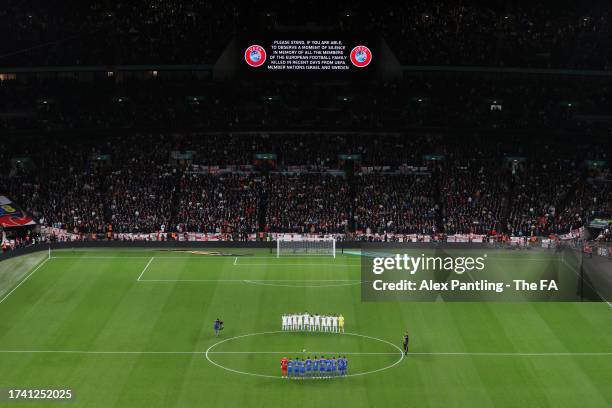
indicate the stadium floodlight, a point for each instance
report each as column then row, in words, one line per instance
column 324, row 246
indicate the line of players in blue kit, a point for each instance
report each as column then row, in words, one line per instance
column 314, row 368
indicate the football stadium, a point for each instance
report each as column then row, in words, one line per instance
column 221, row 204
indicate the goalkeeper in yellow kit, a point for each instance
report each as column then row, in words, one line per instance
column 341, row 323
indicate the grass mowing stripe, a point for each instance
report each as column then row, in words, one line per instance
column 24, row 279
column 143, row 345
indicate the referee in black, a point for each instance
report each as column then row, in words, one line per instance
column 405, row 341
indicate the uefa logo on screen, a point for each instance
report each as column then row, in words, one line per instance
column 255, row 55
column 361, row 56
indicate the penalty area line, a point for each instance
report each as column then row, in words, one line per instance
column 284, row 265
column 145, row 268
column 259, row 281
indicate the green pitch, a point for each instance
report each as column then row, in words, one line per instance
column 132, row 328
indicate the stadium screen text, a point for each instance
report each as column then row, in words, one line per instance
column 294, row 56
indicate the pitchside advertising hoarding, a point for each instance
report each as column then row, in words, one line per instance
column 295, row 55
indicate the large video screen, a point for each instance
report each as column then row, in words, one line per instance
column 297, row 55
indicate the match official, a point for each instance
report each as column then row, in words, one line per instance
column 405, row 341
column 218, row 326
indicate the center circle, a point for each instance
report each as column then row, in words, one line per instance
column 211, row 351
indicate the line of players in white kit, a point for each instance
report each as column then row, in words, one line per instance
column 315, row 322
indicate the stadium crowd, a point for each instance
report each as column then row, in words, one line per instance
column 306, row 203
column 126, row 184
column 404, row 204
column 209, row 203
column 431, row 152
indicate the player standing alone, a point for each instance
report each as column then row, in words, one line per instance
column 405, row 341
column 218, row 326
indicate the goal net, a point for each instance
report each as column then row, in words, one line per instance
column 306, row 246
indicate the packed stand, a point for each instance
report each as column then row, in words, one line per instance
column 226, row 203
column 464, row 184
column 398, row 204
column 307, row 203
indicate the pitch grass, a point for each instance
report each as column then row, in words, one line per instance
column 92, row 301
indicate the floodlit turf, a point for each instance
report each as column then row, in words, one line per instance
column 131, row 328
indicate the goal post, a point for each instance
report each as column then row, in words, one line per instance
column 305, row 246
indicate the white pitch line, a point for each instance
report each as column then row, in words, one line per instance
column 571, row 268
column 93, row 352
column 208, row 353
column 85, row 258
column 267, row 265
column 394, row 353
column 192, row 256
column 96, row 352
column 251, row 280
column 494, row 354
column 24, row 279
column 467, row 354
column 331, row 284
column 304, row 280
column 145, row 268
column 278, row 260
column 417, row 353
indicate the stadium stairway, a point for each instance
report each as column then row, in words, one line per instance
column 436, row 181
column 262, row 208
column 350, row 181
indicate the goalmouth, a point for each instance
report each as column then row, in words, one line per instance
column 306, row 246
